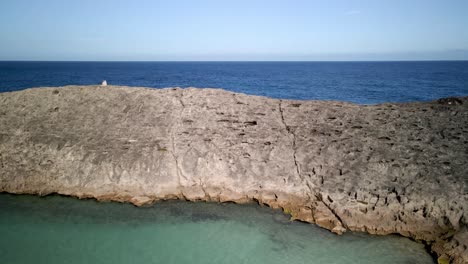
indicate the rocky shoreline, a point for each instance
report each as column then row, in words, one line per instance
column 382, row 169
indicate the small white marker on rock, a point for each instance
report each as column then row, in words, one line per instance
column 104, row 83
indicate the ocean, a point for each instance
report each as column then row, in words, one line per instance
column 358, row 82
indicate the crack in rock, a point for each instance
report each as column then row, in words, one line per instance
column 341, row 225
column 180, row 174
column 293, row 144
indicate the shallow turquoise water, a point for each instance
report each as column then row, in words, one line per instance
column 57, row 229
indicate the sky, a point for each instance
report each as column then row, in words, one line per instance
column 238, row 30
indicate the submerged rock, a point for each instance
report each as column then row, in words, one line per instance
column 388, row 168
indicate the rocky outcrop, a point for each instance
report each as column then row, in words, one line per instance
column 389, row 168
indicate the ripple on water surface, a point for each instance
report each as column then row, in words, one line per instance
column 58, row 229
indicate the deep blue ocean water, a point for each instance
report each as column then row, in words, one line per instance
column 359, row 82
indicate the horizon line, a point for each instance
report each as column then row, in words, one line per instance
column 437, row 60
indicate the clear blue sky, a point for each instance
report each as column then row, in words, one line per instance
column 233, row 30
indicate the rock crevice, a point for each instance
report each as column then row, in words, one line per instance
column 180, row 174
column 293, row 144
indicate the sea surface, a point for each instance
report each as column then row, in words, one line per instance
column 56, row 229
column 358, row 82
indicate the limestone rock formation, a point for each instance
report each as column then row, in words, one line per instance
column 388, row 168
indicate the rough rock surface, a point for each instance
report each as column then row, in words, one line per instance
column 388, row 168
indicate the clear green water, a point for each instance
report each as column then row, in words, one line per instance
column 57, row 229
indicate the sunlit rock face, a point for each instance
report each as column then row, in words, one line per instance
column 389, row 168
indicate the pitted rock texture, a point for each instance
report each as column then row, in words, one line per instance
column 388, row 168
